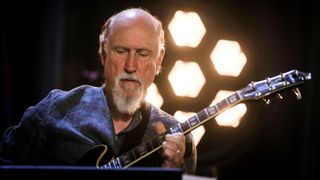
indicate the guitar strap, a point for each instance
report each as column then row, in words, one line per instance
column 134, row 137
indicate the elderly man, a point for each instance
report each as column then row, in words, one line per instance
column 65, row 125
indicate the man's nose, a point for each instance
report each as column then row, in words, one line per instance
column 131, row 63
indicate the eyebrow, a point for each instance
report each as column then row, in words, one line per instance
column 136, row 49
column 143, row 49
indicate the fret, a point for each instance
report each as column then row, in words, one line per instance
column 161, row 138
column 233, row 98
column 206, row 111
column 193, row 121
column 184, row 126
column 222, row 104
column 142, row 149
column 136, row 153
column 126, row 159
column 202, row 115
column 239, row 95
column 132, row 155
column 155, row 142
column 149, row 145
column 212, row 110
column 176, row 129
column 227, row 100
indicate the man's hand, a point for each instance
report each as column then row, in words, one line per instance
column 173, row 150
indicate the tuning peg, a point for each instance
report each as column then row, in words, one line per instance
column 271, row 88
column 267, row 101
column 279, row 96
column 296, row 91
column 253, row 85
column 282, row 76
column 258, row 94
column 268, row 81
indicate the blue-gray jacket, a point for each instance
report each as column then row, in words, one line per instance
column 64, row 125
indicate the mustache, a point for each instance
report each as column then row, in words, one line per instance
column 132, row 77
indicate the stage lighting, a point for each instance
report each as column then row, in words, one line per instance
column 227, row 58
column 187, row 29
column 186, row 79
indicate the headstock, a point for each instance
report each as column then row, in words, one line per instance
column 284, row 81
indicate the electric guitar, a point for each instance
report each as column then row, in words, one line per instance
column 253, row 91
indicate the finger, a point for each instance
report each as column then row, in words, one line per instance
column 178, row 139
column 169, row 150
column 176, row 142
column 171, row 159
column 173, row 151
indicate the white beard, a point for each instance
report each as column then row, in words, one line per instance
column 127, row 104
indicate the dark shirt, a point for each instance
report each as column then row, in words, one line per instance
column 65, row 125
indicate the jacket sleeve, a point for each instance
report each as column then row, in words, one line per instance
column 190, row 157
column 19, row 143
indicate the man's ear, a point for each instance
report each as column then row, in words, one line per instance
column 102, row 52
column 102, row 59
column 159, row 61
column 103, row 56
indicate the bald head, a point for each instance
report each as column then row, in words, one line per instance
column 133, row 16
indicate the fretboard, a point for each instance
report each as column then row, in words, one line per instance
column 155, row 143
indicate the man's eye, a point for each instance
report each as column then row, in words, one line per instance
column 144, row 54
column 120, row 50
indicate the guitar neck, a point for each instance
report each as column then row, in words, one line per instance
column 206, row 114
column 253, row 91
column 155, row 143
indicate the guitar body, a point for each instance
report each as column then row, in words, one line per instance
column 97, row 156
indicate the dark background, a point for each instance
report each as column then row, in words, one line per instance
column 53, row 44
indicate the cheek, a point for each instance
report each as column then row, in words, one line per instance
column 148, row 75
column 111, row 71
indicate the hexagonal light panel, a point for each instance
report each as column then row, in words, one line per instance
column 186, row 78
column 196, row 133
column 227, row 58
column 186, row 29
column 153, row 96
column 230, row 117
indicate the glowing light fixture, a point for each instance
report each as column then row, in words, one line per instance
column 227, row 58
column 196, row 133
column 230, row 117
column 187, row 29
column 153, row 96
column 186, row 78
